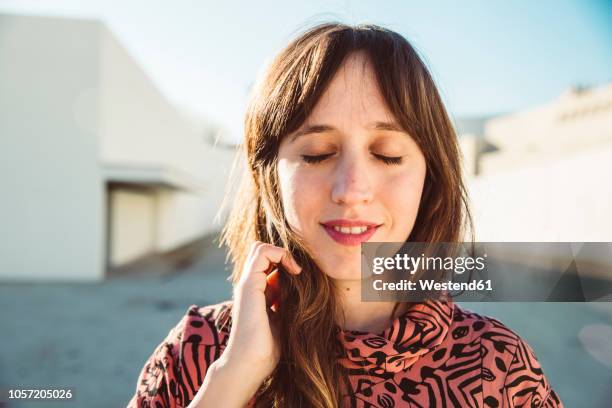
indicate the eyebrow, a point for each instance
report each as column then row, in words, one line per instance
column 391, row 126
column 313, row 129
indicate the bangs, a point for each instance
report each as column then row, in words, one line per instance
column 304, row 70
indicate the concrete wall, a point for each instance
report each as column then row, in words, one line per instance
column 133, row 224
column 51, row 212
column 139, row 127
column 73, row 103
column 575, row 121
column 568, row 200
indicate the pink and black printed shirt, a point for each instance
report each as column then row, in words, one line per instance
column 437, row 354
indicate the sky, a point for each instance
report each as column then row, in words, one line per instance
column 487, row 57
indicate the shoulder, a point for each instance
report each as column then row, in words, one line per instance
column 497, row 343
column 209, row 324
column 507, row 359
column 204, row 323
column 172, row 374
column 471, row 326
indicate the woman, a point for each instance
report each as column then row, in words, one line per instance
column 347, row 141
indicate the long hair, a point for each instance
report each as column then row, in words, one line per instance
column 308, row 374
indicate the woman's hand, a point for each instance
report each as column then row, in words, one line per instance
column 253, row 339
column 252, row 350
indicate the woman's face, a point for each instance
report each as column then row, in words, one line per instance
column 350, row 166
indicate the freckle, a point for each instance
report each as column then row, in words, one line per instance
column 347, row 289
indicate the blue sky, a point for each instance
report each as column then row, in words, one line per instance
column 487, row 56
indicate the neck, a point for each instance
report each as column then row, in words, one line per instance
column 373, row 317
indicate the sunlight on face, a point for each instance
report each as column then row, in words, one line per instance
column 350, row 161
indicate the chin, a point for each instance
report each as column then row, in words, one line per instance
column 344, row 270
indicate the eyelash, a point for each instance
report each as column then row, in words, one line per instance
column 321, row 157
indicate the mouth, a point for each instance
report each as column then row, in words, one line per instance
column 350, row 233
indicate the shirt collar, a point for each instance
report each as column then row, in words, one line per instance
column 420, row 329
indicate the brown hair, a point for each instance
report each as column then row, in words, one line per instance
column 308, row 373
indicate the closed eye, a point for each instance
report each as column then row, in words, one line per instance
column 389, row 160
column 317, row 158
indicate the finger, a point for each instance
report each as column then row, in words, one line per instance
column 253, row 247
column 290, row 264
column 265, row 254
column 270, row 268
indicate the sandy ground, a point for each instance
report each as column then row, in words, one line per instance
column 95, row 338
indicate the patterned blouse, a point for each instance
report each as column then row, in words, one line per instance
column 435, row 354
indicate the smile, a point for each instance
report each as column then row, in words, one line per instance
column 351, row 230
column 350, row 233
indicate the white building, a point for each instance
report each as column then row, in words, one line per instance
column 97, row 169
column 548, row 178
column 576, row 121
column 472, row 142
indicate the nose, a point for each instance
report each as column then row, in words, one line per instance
column 351, row 183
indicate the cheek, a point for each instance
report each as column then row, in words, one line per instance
column 300, row 194
column 403, row 196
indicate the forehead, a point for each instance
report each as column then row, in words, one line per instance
column 352, row 96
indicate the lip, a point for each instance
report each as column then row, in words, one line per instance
column 350, row 239
column 349, row 223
